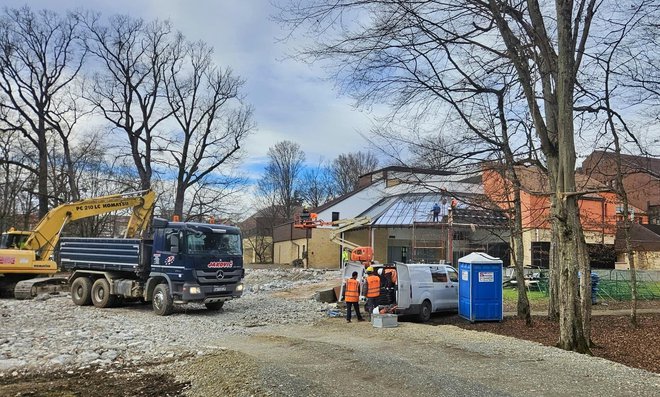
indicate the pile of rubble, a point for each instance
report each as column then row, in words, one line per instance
column 43, row 333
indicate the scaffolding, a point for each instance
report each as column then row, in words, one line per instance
column 429, row 250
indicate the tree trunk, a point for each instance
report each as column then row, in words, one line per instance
column 524, row 311
column 567, row 212
column 553, row 277
column 179, row 199
column 43, row 170
column 571, row 329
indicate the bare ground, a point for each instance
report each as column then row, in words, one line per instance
column 331, row 359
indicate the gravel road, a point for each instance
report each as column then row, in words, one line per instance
column 276, row 340
column 51, row 331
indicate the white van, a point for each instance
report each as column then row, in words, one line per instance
column 421, row 288
column 425, row 288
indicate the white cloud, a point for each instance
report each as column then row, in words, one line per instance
column 292, row 100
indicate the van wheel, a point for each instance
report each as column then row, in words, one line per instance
column 162, row 300
column 214, row 305
column 81, row 291
column 101, row 294
column 425, row 312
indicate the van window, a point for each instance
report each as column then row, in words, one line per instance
column 439, row 276
column 453, row 276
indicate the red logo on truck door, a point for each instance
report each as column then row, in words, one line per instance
column 7, row 260
column 221, row 264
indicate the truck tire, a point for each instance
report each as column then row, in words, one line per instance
column 81, row 291
column 101, row 294
column 162, row 300
column 424, row 312
column 214, row 305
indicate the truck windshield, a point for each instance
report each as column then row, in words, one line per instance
column 214, row 243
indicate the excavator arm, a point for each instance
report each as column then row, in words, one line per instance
column 46, row 234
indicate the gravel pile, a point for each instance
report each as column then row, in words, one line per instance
column 38, row 335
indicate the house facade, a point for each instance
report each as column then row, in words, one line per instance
column 645, row 245
column 599, row 214
column 641, row 179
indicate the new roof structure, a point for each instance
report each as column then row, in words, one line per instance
column 406, row 209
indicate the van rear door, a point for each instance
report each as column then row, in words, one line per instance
column 404, row 290
column 349, row 268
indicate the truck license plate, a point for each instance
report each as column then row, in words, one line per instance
column 218, row 289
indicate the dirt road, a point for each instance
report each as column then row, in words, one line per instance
column 338, row 359
column 276, row 341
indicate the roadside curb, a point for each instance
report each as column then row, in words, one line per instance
column 606, row 312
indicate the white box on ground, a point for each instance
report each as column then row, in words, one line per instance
column 384, row 320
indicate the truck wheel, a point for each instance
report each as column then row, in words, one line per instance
column 101, row 294
column 162, row 300
column 214, row 305
column 425, row 312
column 81, row 291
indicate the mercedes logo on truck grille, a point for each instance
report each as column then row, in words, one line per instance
column 219, row 274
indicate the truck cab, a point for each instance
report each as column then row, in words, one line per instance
column 202, row 262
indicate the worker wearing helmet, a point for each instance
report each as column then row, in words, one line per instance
column 352, row 297
column 372, row 288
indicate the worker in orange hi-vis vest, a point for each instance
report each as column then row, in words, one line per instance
column 352, row 297
column 372, row 285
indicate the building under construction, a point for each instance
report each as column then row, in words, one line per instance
column 399, row 203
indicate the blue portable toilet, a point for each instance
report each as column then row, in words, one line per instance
column 480, row 287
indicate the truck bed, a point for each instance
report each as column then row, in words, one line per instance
column 106, row 254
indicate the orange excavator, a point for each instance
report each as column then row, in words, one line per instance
column 310, row 220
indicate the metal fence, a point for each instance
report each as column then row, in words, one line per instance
column 612, row 285
column 616, row 285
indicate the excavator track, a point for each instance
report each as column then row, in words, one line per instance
column 28, row 289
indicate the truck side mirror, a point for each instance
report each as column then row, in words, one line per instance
column 174, row 243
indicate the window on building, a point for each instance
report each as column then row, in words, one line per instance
column 541, row 254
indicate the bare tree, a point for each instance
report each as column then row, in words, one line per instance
column 127, row 89
column 626, row 58
column 347, row 168
column 540, row 48
column 280, row 186
column 16, row 178
column 212, row 122
column 39, row 58
column 316, row 186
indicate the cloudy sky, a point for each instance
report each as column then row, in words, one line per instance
column 292, row 100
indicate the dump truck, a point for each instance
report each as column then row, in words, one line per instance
column 27, row 265
column 183, row 262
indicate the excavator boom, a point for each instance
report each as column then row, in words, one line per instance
column 45, row 235
column 29, row 253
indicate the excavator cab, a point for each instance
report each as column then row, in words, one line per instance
column 13, row 239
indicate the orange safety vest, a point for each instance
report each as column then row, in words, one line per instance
column 352, row 290
column 373, row 286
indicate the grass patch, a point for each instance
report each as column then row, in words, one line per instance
column 511, row 294
column 621, row 290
